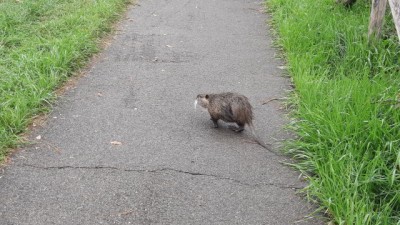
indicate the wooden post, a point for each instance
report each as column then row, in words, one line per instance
column 376, row 20
column 395, row 8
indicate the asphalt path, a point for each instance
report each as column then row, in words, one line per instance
column 126, row 146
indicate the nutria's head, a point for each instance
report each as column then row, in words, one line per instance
column 202, row 100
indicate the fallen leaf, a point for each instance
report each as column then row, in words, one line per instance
column 116, row 143
column 282, row 67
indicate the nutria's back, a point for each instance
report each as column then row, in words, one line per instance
column 229, row 107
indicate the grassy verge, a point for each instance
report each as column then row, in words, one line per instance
column 347, row 111
column 41, row 43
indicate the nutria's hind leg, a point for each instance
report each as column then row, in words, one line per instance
column 238, row 129
column 215, row 121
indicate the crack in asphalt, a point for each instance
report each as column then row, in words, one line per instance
column 160, row 170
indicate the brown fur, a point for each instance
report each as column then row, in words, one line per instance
column 232, row 108
column 229, row 107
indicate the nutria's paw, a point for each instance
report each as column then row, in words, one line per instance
column 239, row 130
column 232, row 127
column 215, row 122
column 235, row 128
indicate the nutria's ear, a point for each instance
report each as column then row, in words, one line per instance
column 206, row 96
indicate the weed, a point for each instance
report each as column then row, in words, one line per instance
column 348, row 114
column 42, row 42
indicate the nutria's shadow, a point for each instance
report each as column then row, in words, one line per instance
column 224, row 128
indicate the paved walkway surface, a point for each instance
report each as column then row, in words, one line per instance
column 126, row 146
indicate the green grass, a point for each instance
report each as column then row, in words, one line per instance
column 42, row 42
column 346, row 107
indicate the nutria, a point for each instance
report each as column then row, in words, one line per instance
column 231, row 108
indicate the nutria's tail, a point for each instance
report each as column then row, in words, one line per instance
column 258, row 140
